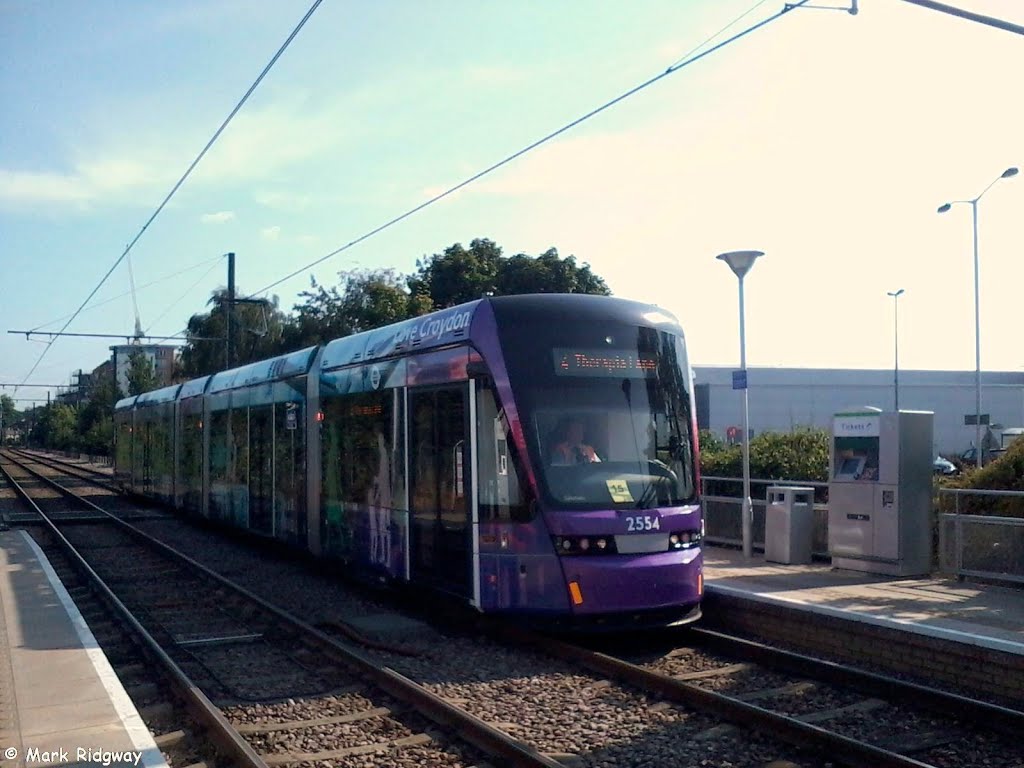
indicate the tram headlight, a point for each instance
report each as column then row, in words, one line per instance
column 684, row 539
column 583, row 545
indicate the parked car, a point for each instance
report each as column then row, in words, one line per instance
column 943, row 466
column 989, row 455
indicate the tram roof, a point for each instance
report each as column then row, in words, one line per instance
column 436, row 329
column 157, row 396
column 263, row 371
column 125, row 402
column 561, row 307
column 193, row 387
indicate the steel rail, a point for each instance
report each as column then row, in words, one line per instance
column 1003, row 719
column 494, row 742
column 223, row 733
column 102, row 479
column 839, row 748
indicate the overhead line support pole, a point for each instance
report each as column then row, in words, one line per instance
column 229, row 311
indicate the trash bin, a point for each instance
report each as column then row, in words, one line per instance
column 789, row 524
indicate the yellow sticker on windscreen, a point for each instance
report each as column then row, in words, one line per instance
column 619, row 489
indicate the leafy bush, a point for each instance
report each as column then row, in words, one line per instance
column 710, row 442
column 798, row 455
column 1004, row 474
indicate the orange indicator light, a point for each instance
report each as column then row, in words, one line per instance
column 574, row 590
column 700, row 583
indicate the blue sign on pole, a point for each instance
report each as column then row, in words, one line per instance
column 739, row 379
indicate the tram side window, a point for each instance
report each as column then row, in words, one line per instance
column 219, row 443
column 238, row 431
column 500, row 496
column 123, row 447
column 367, row 449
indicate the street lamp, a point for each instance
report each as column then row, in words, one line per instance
column 977, row 310
column 740, row 263
column 896, row 342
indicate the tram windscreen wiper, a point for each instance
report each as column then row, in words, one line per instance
column 644, row 502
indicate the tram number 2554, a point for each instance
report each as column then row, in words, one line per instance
column 643, row 523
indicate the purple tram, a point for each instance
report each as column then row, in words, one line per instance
column 533, row 455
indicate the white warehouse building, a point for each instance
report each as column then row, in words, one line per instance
column 782, row 399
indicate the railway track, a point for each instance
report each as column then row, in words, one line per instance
column 271, row 689
column 91, row 484
column 74, row 467
column 676, row 706
column 855, row 717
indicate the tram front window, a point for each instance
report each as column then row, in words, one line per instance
column 607, row 443
column 604, row 404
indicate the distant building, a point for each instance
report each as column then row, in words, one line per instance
column 161, row 356
column 77, row 392
column 102, row 370
column 784, row 398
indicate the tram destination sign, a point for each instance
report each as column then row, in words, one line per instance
column 611, row 363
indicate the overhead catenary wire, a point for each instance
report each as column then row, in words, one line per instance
column 181, row 181
column 477, row 176
column 142, row 287
column 186, row 293
column 732, row 23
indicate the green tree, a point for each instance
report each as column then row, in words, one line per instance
column 362, row 300
column 459, row 275
column 366, row 299
column 141, row 373
column 96, row 416
column 257, row 332
column 8, row 415
column 55, row 427
column 548, row 273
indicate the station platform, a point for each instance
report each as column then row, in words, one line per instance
column 61, row 704
column 942, row 630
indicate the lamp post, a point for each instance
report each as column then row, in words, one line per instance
column 740, row 263
column 977, row 310
column 896, row 343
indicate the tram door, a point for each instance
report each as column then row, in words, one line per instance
column 441, row 494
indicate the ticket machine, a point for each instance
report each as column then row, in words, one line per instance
column 880, row 491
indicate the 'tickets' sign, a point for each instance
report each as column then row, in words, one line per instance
column 856, row 425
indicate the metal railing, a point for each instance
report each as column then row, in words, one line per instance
column 723, row 522
column 103, row 461
column 981, row 545
column 969, row 544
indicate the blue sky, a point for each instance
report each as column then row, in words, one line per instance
column 824, row 139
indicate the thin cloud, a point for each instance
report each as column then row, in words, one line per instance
column 128, row 168
column 217, row 218
column 493, row 75
column 270, row 233
column 283, row 201
column 24, row 187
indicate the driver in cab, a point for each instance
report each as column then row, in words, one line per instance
column 571, row 449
